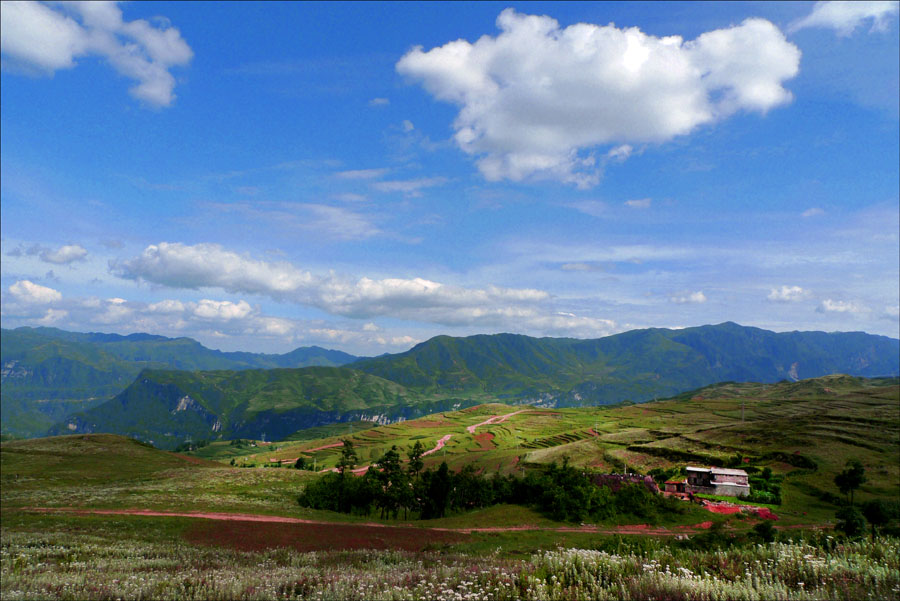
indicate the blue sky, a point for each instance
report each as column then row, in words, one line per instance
column 365, row 176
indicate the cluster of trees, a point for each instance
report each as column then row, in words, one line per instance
column 765, row 487
column 190, row 446
column 563, row 492
column 876, row 512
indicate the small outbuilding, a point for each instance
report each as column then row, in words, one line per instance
column 717, row 481
column 677, row 486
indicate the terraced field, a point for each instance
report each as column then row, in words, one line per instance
column 805, row 431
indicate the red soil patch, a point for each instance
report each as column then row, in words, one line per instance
column 255, row 536
column 723, row 509
column 485, row 441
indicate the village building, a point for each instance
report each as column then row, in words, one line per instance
column 717, row 481
column 676, row 486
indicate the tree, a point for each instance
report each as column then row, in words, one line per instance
column 348, row 459
column 437, row 486
column 393, row 482
column 877, row 513
column 301, row 463
column 765, row 531
column 850, row 521
column 853, row 476
column 416, row 463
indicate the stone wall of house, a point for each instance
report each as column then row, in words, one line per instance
column 730, row 478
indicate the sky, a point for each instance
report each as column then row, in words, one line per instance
column 364, row 176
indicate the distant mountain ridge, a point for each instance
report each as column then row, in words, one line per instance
column 71, row 371
column 447, row 372
column 637, row 365
column 226, row 394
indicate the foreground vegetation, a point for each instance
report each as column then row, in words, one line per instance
column 139, row 558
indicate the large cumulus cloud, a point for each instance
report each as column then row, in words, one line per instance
column 535, row 99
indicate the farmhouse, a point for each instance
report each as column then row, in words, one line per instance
column 717, row 481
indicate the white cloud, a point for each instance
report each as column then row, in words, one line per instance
column 847, row 17
column 620, row 153
column 319, row 219
column 788, row 294
column 350, row 197
column 410, row 187
column 363, row 173
column 407, row 125
column 211, row 266
column 28, row 292
column 892, row 312
column 594, row 208
column 338, row 222
column 812, row 212
column 44, row 38
column 221, row 310
column 166, row 306
column 52, row 316
column 832, row 306
column 379, row 102
column 535, row 99
column 692, row 298
column 638, row 203
column 64, row 255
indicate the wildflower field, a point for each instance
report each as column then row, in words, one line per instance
column 67, row 557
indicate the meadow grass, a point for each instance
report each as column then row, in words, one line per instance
column 83, row 557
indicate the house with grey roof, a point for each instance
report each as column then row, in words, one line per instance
column 717, row 481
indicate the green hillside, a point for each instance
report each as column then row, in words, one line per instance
column 48, row 374
column 169, row 407
column 804, row 431
column 639, row 365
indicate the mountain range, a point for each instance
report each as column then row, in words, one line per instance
column 167, row 390
column 47, row 374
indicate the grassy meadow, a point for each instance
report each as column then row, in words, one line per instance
column 805, row 432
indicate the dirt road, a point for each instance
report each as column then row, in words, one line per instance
column 635, row 529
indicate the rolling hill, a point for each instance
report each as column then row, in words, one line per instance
column 446, row 372
column 167, row 407
column 48, row 374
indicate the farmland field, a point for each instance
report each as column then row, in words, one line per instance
column 231, row 532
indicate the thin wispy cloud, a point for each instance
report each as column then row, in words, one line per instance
column 410, row 187
column 845, row 18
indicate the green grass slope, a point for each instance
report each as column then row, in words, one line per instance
column 168, row 407
column 805, row 431
column 47, row 374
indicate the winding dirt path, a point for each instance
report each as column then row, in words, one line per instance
column 639, row 529
column 497, row 419
column 362, row 470
column 635, row 529
column 440, row 445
